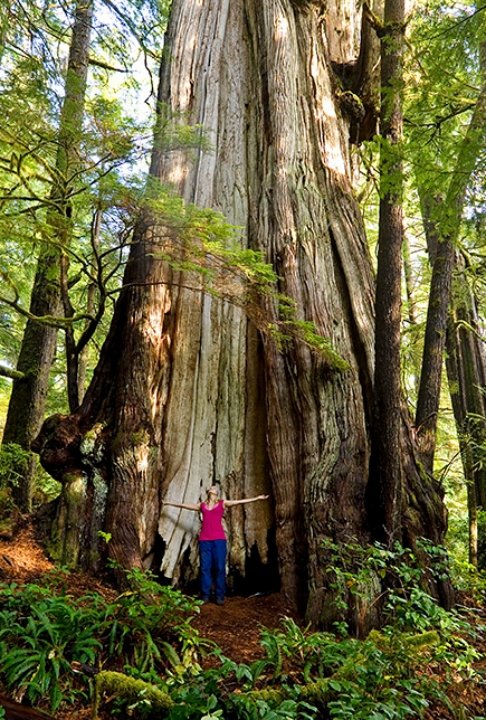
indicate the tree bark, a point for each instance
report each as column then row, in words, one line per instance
column 466, row 374
column 452, row 322
column 440, row 287
column 386, row 488
column 187, row 392
column 29, row 392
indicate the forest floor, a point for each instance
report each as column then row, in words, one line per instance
column 234, row 626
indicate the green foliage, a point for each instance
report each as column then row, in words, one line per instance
column 307, row 674
column 444, row 77
column 466, row 578
column 301, row 675
column 12, row 458
column 42, row 633
column 143, row 621
column 203, row 244
column 14, row 461
column 99, row 190
column 353, row 568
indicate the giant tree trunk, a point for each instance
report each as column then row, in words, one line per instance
column 187, row 392
column 29, row 392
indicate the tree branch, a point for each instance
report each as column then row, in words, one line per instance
column 8, row 372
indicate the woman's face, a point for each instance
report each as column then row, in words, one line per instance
column 213, row 493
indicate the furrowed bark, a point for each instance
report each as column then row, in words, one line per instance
column 187, row 391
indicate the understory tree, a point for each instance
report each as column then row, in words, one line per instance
column 192, row 390
column 69, row 162
column 28, row 397
column 447, row 150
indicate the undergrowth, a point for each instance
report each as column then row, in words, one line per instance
column 146, row 636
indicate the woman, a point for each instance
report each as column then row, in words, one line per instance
column 212, row 540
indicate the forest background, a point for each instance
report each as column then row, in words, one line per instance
column 79, row 101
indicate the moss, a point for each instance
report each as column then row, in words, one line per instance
column 351, row 104
column 6, row 527
column 123, row 441
column 70, row 520
column 318, row 691
column 99, row 499
column 91, row 444
column 269, row 695
column 129, row 689
column 422, row 640
column 6, row 501
column 140, row 438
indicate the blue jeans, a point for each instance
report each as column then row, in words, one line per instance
column 212, row 554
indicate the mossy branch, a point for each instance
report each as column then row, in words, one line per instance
column 129, row 689
column 423, row 640
column 7, row 372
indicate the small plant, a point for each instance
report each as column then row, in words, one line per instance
column 302, row 675
column 40, row 636
column 42, row 633
column 105, row 536
column 12, row 459
column 141, row 623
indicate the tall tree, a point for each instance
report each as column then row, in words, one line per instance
column 444, row 227
column 466, row 373
column 386, row 463
column 27, row 400
column 446, row 156
column 186, row 391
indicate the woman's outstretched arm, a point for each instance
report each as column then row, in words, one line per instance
column 229, row 503
column 184, row 506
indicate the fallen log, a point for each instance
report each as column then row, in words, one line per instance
column 16, row 711
column 130, row 689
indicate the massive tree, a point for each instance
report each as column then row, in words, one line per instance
column 187, row 391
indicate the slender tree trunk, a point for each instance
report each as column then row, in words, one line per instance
column 466, row 374
column 5, row 20
column 465, row 367
column 452, row 323
column 187, row 392
column 440, row 288
column 28, row 397
column 408, row 274
column 386, row 463
column 82, row 355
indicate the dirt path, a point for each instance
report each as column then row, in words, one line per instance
column 234, row 626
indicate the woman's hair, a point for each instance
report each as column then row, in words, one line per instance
column 214, row 489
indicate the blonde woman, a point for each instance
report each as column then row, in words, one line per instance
column 212, row 540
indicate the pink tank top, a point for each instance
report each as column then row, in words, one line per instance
column 212, row 526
